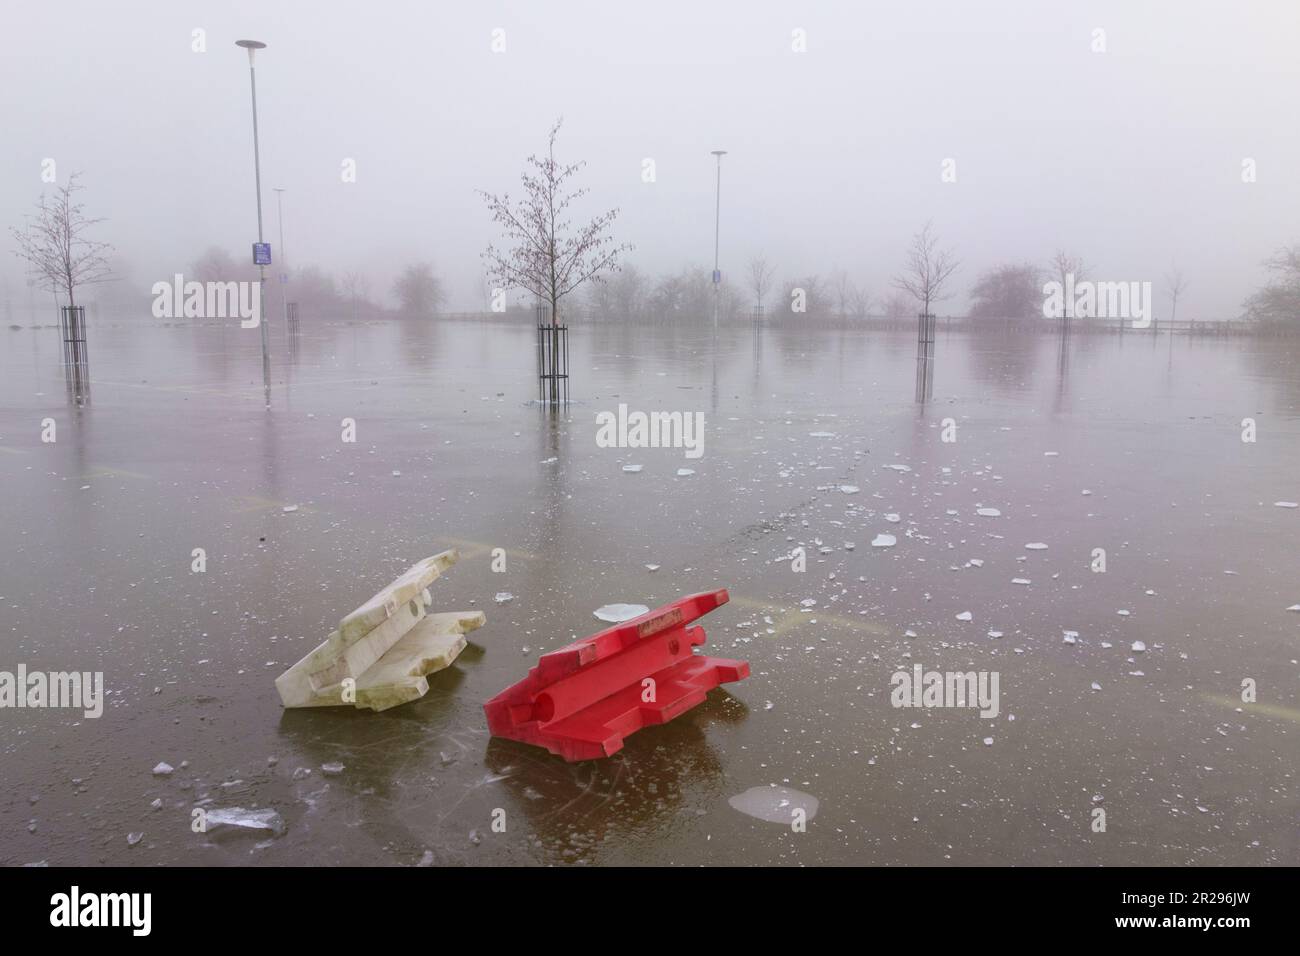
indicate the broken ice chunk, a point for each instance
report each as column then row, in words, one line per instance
column 617, row 613
column 265, row 819
column 775, row 804
column 884, row 541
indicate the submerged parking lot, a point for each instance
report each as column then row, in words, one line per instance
column 1120, row 689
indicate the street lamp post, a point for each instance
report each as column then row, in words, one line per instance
column 717, row 219
column 284, row 259
column 252, row 46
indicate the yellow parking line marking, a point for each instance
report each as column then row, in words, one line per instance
column 1271, row 710
column 791, row 619
column 472, row 549
column 100, row 471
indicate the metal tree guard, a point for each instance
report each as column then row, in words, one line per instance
column 552, row 359
column 925, row 356
column 76, row 360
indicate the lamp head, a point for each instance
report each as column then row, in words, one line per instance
column 252, row 46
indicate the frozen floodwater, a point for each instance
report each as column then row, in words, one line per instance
column 177, row 451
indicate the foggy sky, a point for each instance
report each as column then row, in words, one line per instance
column 1131, row 158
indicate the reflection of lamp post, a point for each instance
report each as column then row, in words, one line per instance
column 252, row 46
column 717, row 218
column 284, row 261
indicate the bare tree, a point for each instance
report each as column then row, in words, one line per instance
column 356, row 287
column 418, row 291
column 1177, row 283
column 1063, row 265
column 215, row 265
column 55, row 247
column 1009, row 292
column 926, row 269
column 547, row 256
column 1279, row 301
column 860, row 302
column 760, row 280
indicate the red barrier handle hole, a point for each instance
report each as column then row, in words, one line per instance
column 543, row 708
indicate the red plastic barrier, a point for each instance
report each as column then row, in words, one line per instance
column 581, row 701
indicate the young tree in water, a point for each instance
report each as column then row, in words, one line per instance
column 545, row 254
column 1177, row 283
column 926, row 269
column 55, row 247
column 760, row 280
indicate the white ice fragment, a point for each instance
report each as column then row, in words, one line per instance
column 884, row 541
column 775, row 804
column 1096, row 686
column 685, row 472
column 265, row 819
column 988, row 741
column 995, row 634
column 1035, row 546
column 1138, row 647
column 617, row 613
column 652, row 567
column 162, row 770
column 849, row 489
column 988, row 512
column 1285, row 504
column 332, row 769
column 1071, row 637
column 287, row 509
column 965, row 616
column 503, row 597
column 893, row 519
column 632, row 469
column 1021, row 581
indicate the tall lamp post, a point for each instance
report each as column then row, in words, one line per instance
column 717, row 219
column 284, row 259
column 252, row 46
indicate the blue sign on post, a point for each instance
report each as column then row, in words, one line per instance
column 717, row 276
column 261, row 253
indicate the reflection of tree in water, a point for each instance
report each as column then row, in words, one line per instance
column 570, row 810
column 1276, row 360
column 1005, row 359
column 417, row 338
